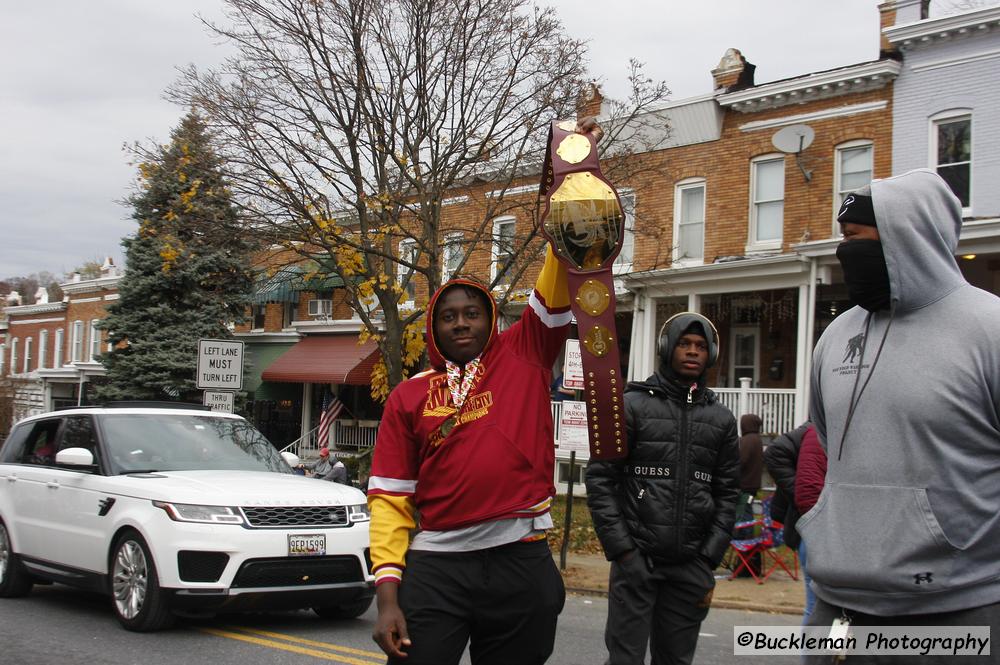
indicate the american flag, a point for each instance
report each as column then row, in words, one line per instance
column 331, row 409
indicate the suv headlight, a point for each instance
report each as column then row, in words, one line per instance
column 186, row 512
column 358, row 513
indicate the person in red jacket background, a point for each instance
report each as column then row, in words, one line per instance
column 810, row 474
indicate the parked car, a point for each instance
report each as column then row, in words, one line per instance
column 173, row 510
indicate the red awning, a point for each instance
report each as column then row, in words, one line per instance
column 335, row 359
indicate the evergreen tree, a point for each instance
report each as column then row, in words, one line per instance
column 187, row 271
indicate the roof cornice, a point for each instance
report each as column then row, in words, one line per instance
column 86, row 286
column 928, row 31
column 37, row 308
column 821, row 85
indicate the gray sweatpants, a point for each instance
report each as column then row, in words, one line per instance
column 989, row 615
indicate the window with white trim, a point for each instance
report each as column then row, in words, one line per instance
column 623, row 262
column 3, row 357
column 43, row 343
column 767, row 202
column 951, row 152
column 95, row 340
column 853, row 169
column 451, row 255
column 14, row 356
column 503, row 249
column 689, row 221
column 27, row 355
column 77, row 341
column 407, row 253
column 57, row 350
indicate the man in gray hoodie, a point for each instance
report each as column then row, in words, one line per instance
column 906, row 401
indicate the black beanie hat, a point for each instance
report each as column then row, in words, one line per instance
column 857, row 208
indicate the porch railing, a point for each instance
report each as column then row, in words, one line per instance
column 345, row 433
column 775, row 406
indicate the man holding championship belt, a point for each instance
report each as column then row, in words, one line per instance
column 468, row 447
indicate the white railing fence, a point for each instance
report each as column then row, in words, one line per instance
column 345, row 433
column 775, row 406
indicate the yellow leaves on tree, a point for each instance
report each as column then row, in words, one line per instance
column 350, row 260
column 380, row 381
column 187, row 198
column 169, row 254
column 413, row 345
column 148, row 171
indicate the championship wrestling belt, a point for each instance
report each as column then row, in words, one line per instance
column 583, row 220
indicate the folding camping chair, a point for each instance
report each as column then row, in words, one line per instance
column 768, row 536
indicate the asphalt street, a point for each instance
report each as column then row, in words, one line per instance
column 57, row 624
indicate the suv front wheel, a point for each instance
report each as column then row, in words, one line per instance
column 136, row 596
column 14, row 579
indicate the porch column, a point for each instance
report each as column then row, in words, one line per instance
column 636, row 342
column 744, row 403
column 694, row 302
column 307, row 393
column 647, row 356
column 803, row 344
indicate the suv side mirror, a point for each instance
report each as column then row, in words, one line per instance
column 75, row 457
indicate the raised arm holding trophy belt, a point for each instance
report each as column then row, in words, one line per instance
column 584, row 221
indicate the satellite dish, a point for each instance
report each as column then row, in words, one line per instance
column 793, row 139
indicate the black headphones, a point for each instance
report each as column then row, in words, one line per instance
column 664, row 347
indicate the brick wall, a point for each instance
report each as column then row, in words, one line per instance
column 86, row 307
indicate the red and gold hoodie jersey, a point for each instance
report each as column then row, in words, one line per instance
column 496, row 461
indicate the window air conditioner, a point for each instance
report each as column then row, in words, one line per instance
column 320, row 307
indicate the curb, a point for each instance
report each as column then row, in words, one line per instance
column 718, row 604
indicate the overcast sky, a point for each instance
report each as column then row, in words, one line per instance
column 78, row 80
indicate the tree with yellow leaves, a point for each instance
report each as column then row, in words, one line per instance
column 187, row 270
column 356, row 129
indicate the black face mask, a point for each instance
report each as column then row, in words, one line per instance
column 865, row 273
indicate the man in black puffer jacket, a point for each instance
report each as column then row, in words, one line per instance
column 665, row 513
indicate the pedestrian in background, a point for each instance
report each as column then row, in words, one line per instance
column 810, row 473
column 751, row 464
column 325, row 469
column 665, row 513
column 905, row 397
column 781, row 459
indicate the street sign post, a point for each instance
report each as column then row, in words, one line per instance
column 220, row 364
column 574, row 435
column 220, row 401
column 573, row 366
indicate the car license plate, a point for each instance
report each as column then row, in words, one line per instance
column 307, row 544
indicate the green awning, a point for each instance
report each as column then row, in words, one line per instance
column 279, row 287
column 320, row 274
column 285, row 285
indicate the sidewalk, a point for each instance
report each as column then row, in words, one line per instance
column 588, row 574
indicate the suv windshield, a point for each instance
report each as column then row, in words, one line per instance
column 185, row 442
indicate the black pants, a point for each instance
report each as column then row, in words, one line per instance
column 824, row 614
column 659, row 604
column 503, row 602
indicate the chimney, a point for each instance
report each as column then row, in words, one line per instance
column 733, row 73
column 590, row 102
column 899, row 12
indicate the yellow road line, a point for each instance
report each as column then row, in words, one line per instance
column 316, row 653
column 302, row 640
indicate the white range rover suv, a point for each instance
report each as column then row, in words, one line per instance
column 175, row 509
